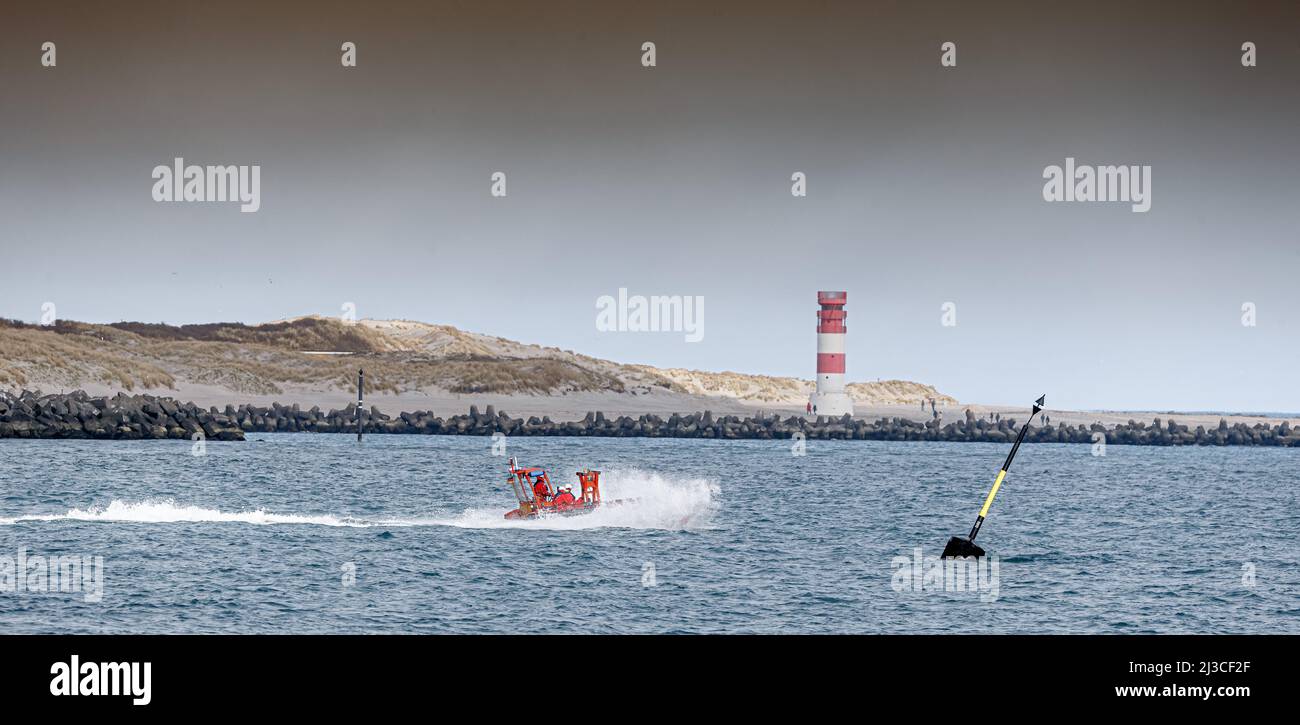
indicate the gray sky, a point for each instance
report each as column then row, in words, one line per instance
column 924, row 183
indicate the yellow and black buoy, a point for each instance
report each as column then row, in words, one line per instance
column 957, row 546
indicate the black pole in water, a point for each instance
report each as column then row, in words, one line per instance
column 361, row 384
column 958, row 546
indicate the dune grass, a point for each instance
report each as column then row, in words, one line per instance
column 398, row 357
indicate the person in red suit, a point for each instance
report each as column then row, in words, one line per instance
column 565, row 498
column 541, row 491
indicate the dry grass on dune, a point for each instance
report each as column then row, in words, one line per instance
column 398, row 356
column 759, row 388
column 794, row 391
column 28, row 354
column 306, row 333
column 144, row 356
column 896, row 392
column 537, row 376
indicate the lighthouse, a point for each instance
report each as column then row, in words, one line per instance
column 831, row 399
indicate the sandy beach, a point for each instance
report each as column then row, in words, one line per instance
column 574, row 406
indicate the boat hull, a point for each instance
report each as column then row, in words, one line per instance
column 578, row 509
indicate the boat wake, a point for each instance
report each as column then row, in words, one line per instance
column 633, row 500
column 168, row 512
column 651, row 501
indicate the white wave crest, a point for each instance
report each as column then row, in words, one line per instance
column 168, row 511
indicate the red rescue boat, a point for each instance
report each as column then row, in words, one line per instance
column 537, row 497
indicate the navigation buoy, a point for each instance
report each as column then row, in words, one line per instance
column 959, row 547
column 361, row 384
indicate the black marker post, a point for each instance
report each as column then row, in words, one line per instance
column 361, row 384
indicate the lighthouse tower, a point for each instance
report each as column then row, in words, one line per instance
column 831, row 398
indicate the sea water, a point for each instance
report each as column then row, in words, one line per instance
column 317, row 533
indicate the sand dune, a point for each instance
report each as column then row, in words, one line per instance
column 313, row 361
column 420, row 366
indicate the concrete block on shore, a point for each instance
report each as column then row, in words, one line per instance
column 77, row 415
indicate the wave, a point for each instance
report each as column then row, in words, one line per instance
column 168, row 511
column 649, row 501
column 634, row 500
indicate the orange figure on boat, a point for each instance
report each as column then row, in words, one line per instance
column 532, row 486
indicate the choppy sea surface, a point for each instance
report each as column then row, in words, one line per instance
column 317, row 533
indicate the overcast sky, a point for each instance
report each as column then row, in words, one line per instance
column 924, row 183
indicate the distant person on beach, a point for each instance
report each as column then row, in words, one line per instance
column 810, row 407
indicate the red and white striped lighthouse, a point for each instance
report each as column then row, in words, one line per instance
column 831, row 399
